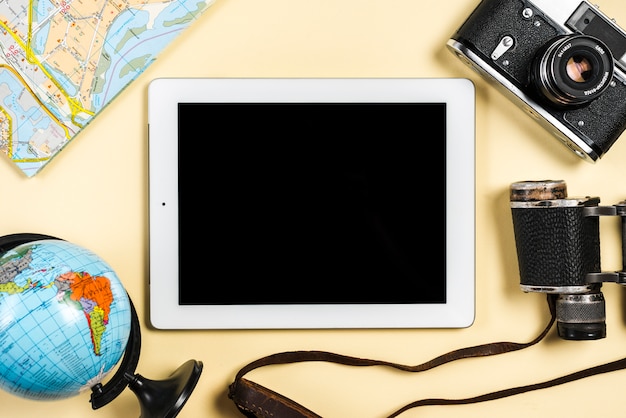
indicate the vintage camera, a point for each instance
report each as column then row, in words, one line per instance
column 562, row 61
column 558, row 251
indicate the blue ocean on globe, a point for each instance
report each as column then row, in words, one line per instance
column 65, row 320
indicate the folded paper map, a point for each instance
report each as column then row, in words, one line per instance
column 63, row 61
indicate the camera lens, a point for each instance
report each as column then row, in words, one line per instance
column 579, row 68
column 572, row 70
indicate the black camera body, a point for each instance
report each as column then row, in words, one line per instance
column 561, row 61
column 558, row 251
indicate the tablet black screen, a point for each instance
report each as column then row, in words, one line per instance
column 312, row 203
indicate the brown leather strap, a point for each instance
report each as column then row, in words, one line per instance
column 254, row 400
column 475, row 351
column 604, row 368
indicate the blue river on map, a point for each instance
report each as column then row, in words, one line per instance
column 31, row 119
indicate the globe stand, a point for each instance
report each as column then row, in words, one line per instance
column 165, row 398
column 157, row 398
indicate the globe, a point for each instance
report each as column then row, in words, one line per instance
column 65, row 320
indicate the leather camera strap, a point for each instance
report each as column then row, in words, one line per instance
column 256, row 401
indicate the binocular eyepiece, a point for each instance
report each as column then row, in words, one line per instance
column 558, row 249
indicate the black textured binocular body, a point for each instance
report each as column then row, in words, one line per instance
column 558, row 250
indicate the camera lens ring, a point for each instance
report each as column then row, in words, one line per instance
column 572, row 70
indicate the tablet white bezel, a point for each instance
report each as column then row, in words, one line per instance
column 164, row 94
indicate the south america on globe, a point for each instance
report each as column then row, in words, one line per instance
column 65, row 320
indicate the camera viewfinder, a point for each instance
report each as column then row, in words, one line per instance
column 586, row 20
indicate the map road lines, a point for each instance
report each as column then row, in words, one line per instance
column 63, row 61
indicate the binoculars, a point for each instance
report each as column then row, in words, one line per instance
column 557, row 240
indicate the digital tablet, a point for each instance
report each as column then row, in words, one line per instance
column 311, row 203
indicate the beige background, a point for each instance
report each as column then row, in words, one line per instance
column 95, row 194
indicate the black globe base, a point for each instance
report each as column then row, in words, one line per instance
column 157, row 398
column 165, row 398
